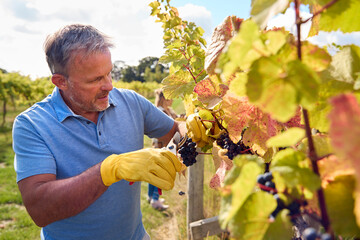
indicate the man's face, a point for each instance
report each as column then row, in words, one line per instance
column 89, row 83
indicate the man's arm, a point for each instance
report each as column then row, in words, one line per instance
column 48, row 200
column 177, row 127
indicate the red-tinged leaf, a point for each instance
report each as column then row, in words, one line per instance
column 331, row 167
column 237, row 112
column 345, row 127
column 222, row 163
column 222, row 33
column 295, row 121
column 345, row 135
column 210, row 91
column 261, row 128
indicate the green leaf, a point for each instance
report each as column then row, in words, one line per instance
column 274, row 40
column 246, row 46
column 321, row 143
column 287, row 164
column 281, row 228
column 267, row 88
column 345, row 64
column 263, row 72
column 172, row 56
column 314, row 57
column 343, row 16
column 154, row 8
column 279, row 100
column 306, row 82
column 246, row 182
column 328, row 88
column 238, row 85
column 178, row 84
column 288, row 138
column 252, row 220
column 339, row 196
column 263, row 10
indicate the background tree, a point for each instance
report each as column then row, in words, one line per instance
column 148, row 70
column 118, row 67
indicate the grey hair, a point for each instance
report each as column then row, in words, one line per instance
column 60, row 46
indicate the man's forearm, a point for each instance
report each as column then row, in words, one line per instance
column 48, row 200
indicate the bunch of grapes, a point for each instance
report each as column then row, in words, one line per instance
column 234, row 149
column 266, row 184
column 311, row 234
column 188, row 152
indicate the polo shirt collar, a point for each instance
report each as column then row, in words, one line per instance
column 62, row 110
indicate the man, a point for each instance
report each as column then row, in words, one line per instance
column 75, row 149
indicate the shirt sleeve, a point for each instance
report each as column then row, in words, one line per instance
column 157, row 123
column 32, row 156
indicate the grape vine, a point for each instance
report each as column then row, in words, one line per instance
column 285, row 111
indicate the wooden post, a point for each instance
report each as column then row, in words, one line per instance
column 195, row 193
column 205, row 227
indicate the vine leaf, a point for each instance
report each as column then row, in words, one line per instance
column 222, row 163
column 305, row 80
column 267, row 88
column 287, row 165
column 263, row 10
column 345, row 135
column 221, row 35
column 345, row 122
column 247, row 182
column 343, row 16
column 245, row 47
column 237, row 111
column 340, row 204
column 295, row 121
column 259, row 131
column 281, row 228
column 328, row 88
column 210, row 91
column 252, row 222
column 331, row 167
column 178, row 84
column 345, row 65
column 321, row 142
column 288, row 138
column 238, row 84
column 314, row 56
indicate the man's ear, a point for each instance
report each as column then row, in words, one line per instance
column 59, row 81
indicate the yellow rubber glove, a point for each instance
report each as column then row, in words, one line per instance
column 153, row 165
column 196, row 130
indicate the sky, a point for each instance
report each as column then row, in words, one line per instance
column 24, row 25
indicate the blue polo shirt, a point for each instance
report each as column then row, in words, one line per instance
column 50, row 138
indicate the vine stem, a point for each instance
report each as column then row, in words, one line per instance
column 312, row 153
column 189, row 70
column 326, row 6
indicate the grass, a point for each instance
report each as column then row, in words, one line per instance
column 16, row 224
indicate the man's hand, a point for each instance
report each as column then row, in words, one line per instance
column 196, row 130
column 155, row 166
